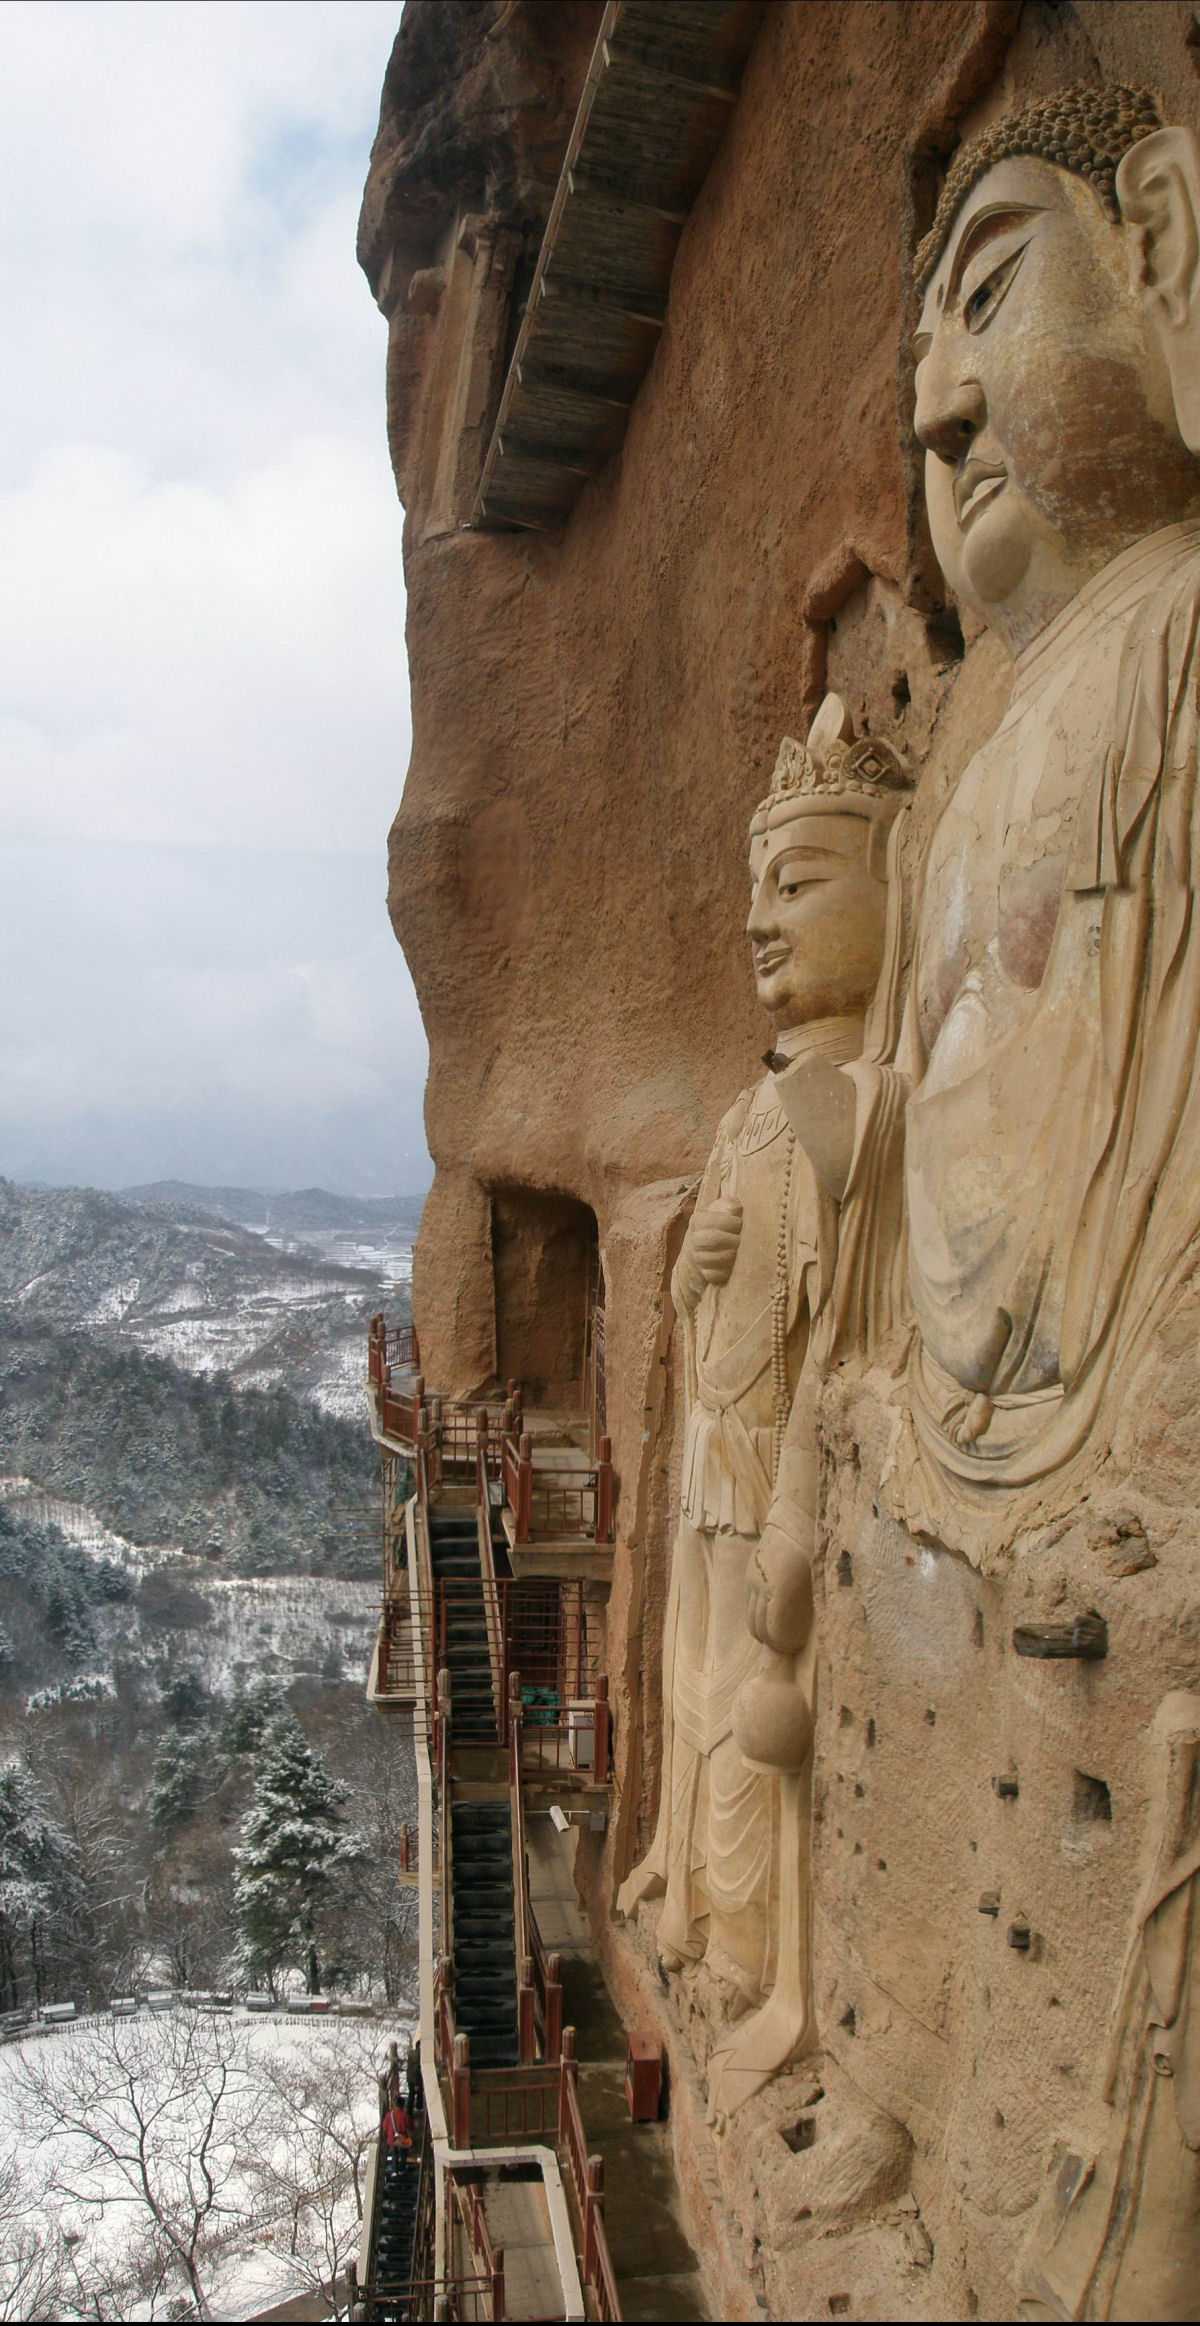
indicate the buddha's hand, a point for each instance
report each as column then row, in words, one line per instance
column 779, row 1594
column 710, row 1248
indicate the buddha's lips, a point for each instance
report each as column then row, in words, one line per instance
column 767, row 962
column 978, row 484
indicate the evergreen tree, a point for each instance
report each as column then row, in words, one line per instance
column 185, row 1698
column 41, row 1886
column 179, row 1781
column 293, row 1853
column 251, row 1712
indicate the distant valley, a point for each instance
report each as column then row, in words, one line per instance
column 274, row 1291
column 190, row 1383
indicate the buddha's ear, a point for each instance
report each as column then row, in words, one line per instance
column 1158, row 188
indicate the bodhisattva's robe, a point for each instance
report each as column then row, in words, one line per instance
column 716, row 1849
column 1118, row 2237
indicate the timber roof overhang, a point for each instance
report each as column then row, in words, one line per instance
column 661, row 86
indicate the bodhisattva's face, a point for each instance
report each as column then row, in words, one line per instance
column 1043, row 400
column 817, row 918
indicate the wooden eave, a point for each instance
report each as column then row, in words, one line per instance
column 662, row 83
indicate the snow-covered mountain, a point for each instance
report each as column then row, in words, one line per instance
column 284, row 1303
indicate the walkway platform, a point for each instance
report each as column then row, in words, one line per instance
column 658, row 2276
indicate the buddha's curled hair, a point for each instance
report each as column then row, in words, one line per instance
column 1087, row 131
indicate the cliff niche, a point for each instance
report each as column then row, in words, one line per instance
column 796, row 412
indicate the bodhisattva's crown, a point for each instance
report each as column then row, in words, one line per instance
column 831, row 764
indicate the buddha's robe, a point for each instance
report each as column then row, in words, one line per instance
column 1053, row 1131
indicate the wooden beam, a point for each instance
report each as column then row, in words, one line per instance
column 638, row 306
column 634, row 60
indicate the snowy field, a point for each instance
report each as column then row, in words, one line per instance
column 146, row 2162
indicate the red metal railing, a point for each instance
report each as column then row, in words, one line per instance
column 519, row 2104
column 547, row 1508
column 583, row 1742
column 396, row 1669
column 448, row 1431
column 522, row 1908
column 389, row 1345
column 539, row 1989
column 467, row 2298
column 400, row 1414
column 541, row 1632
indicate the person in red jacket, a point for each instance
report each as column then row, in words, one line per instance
column 397, row 2134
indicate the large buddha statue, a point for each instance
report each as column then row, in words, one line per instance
column 1053, row 1038
column 770, row 1280
column 1053, row 1131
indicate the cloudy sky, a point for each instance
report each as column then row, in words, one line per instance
column 203, row 709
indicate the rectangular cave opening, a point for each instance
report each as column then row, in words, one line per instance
column 549, row 1293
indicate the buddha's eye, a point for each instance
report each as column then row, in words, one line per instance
column 983, row 302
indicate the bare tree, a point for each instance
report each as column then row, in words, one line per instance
column 33, row 2258
column 157, row 2114
column 323, row 2115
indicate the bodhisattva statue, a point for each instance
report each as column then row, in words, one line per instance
column 763, row 1301
column 1053, row 1132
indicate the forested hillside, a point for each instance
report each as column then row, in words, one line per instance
column 168, row 1457
column 189, row 1561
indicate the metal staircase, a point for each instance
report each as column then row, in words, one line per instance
column 485, row 1966
column 461, row 1611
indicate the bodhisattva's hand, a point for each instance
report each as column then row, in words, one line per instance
column 779, row 1594
column 710, row 1247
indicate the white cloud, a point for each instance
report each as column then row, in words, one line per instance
column 182, row 665
column 227, row 1004
column 201, row 606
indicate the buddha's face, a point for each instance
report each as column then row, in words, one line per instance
column 817, row 917
column 1043, row 399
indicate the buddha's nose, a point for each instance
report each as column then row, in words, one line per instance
column 762, row 922
column 950, row 412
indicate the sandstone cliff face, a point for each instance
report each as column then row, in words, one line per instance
column 595, row 714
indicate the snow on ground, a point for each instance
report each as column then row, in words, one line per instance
column 282, row 1626
column 86, row 2206
column 80, row 1525
column 279, row 1626
column 388, row 1257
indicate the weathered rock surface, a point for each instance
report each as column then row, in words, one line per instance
column 595, row 714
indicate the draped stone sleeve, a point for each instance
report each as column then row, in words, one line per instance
column 1140, row 1218
column 1107, row 2241
column 861, row 1305
column 861, row 1312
